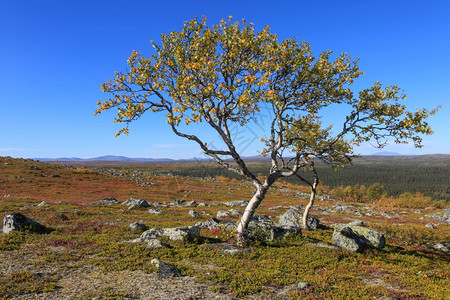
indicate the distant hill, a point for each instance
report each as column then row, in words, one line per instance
column 105, row 158
column 385, row 153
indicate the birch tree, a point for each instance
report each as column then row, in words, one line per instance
column 220, row 76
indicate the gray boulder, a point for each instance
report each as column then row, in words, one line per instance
column 18, row 222
column 365, row 235
column 236, row 203
column 267, row 232
column 188, row 233
column 293, row 218
column 154, row 243
column 137, row 227
column 193, row 213
column 344, row 237
column 155, row 211
column 209, row 224
column 136, row 202
column 222, row 214
column 442, row 246
column 165, row 270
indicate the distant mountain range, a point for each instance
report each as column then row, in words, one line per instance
column 384, row 153
column 117, row 158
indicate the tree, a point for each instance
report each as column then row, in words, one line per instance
column 222, row 75
column 375, row 192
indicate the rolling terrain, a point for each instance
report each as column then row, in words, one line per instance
column 86, row 255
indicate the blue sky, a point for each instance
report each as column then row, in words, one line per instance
column 54, row 56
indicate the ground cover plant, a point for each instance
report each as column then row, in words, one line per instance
column 86, row 256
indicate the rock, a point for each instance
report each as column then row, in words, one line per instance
column 18, row 222
column 193, row 213
column 267, row 232
column 188, row 233
column 302, row 285
column 178, row 202
column 209, row 224
column 136, row 203
column 155, row 211
column 442, row 246
column 138, row 227
column 61, row 216
column 430, row 225
column 43, row 204
column 190, row 204
column 261, row 219
column 365, row 235
column 294, row 218
column 165, row 270
column 222, row 214
column 345, row 238
column 236, row 203
column 227, row 248
column 133, row 206
column 107, row 201
column 153, row 243
column 234, row 212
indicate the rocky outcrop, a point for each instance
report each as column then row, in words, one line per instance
column 165, row 270
column 135, row 227
column 360, row 235
column 293, row 218
column 131, row 202
column 188, row 233
column 18, row 222
column 345, row 238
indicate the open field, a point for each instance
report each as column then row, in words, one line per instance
column 86, row 256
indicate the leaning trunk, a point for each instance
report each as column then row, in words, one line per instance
column 242, row 230
column 308, row 208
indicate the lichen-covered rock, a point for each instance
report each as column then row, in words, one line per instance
column 165, row 270
column 155, row 211
column 154, row 243
column 366, row 235
column 267, row 232
column 294, row 218
column 188, row 233
column 236, row 203
column 222, row 214
column 138, row 227
column 209, row 224
column 344, row 237
column 193, row 213
column 136, row 202
column 18, row 222
column 442, row 246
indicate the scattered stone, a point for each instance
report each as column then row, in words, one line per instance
column 43, row 204
column 442, row 246
column 293, row 218
column 138, row 227
column 18, row 222
column 136, row 202
column 365, row 235
column 430, row 225
column 190, row 204
column 264, row 230
column 302, row 285
column 209, row 224
column 155, row 211
column 193, row 213
column 61, row 216
column 188, row 233
column 234, row 212
column 165, row 270
column 178, row 202
column 345, row 238
column 106, row 201
column 153, row 243
column 236, row 203
column 222, row 214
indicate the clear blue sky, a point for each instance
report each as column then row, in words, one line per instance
column 54, row 56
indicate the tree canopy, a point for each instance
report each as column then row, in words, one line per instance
column 223, row 74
